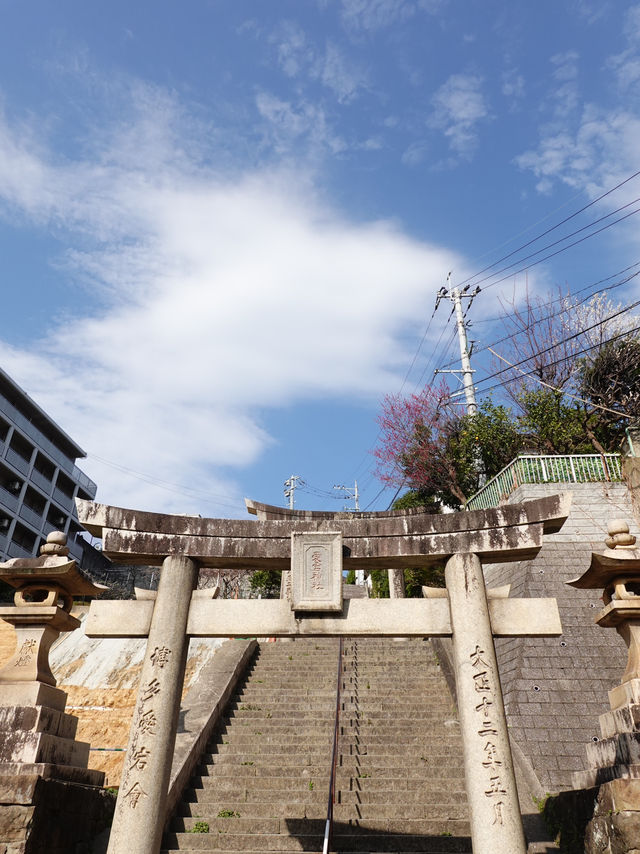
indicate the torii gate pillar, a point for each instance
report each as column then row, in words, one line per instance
column 145, row 778
column 496, row 825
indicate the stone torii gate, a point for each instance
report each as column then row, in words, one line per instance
column 316, row 547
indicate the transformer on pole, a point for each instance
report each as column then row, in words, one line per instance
column 466, row 371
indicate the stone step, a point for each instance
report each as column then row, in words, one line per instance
column 357, row 766
column 440, row 736
column 343, row 842
column 455, row 810
column 306, row 780
column 258, row 748
column 350, row 728
column 348, row 707
column 316, row 826
column 449, row 792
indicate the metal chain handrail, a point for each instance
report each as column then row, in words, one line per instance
column 328, row 830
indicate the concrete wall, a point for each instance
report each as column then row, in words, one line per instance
column 555, row 688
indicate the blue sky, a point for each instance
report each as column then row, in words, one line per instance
column 223, row 224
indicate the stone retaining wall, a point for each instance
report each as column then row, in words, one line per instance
column 555, row 688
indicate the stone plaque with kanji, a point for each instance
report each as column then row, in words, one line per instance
column 316, row 571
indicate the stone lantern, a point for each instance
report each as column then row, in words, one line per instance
column 45, row 587
column 614, row 759
column 616, row 571
column 36, row 736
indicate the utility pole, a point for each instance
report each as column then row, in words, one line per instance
column 290, row 488
column 456, row 296
column 351, row 493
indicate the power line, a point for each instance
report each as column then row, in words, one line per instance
column 565, row 340
column 179, row 489
column 559, row 361
column 563, row 391
column 561, row 240
column 553, row 228
column 560, row 299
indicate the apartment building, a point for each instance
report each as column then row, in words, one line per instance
column 39, row 480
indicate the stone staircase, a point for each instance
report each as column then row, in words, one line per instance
column 263, row 785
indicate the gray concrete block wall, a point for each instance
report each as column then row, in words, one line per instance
column 556, row 688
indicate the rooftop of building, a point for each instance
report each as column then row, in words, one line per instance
column 18, row 398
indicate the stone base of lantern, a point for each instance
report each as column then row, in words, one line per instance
column 44, row 775
column 38, row 815
column 617, row 755
column 615, row 825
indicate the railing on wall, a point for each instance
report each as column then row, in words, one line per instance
column 534, row 468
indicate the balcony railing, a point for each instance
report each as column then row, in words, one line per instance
column 572, row 468
column 32, row 516
column 17, row 461
column 16, row 550
column 41, row 480
column 53, row 452
column 9, row 499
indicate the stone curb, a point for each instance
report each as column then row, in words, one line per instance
column 205, row 704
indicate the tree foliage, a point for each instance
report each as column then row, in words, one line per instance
column 266, row 583
column 573, row 378
column 440, row 454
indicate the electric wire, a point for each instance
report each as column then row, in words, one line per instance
column 552, row 228
column 563, row 391
column 565, row 340
column 559, row 361
column 553, row 302
column 179, row 489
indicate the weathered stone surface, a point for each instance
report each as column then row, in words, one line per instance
column 37, row 719
column 316, row 571
column 32, row 747
column 145, row 781
column 37, row 627
column 615, row 827
column 624, row 719
column 396, row 583
column 49, row 771
column 32, row 694
column 274, row 618
column 543, row 677
column 496, row 825
column 378, row 540
column 60, row 819
column 622, row 748
column 15, row 822
column 206, row 702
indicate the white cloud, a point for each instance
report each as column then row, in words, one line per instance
column 287, row 125
column 299, row 58
column 565, row 90
column 626, row 65
column 371, row 15
column 415, row 154
column 375, row 14
column 598, row 153
column 459, row 105
column 294, row 52
column 340, row 74
column 632, row 23
column 592, row 10
column 513, row 84
column 590, row 146
column 221, row 294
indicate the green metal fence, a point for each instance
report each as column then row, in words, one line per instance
column 573, row 468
